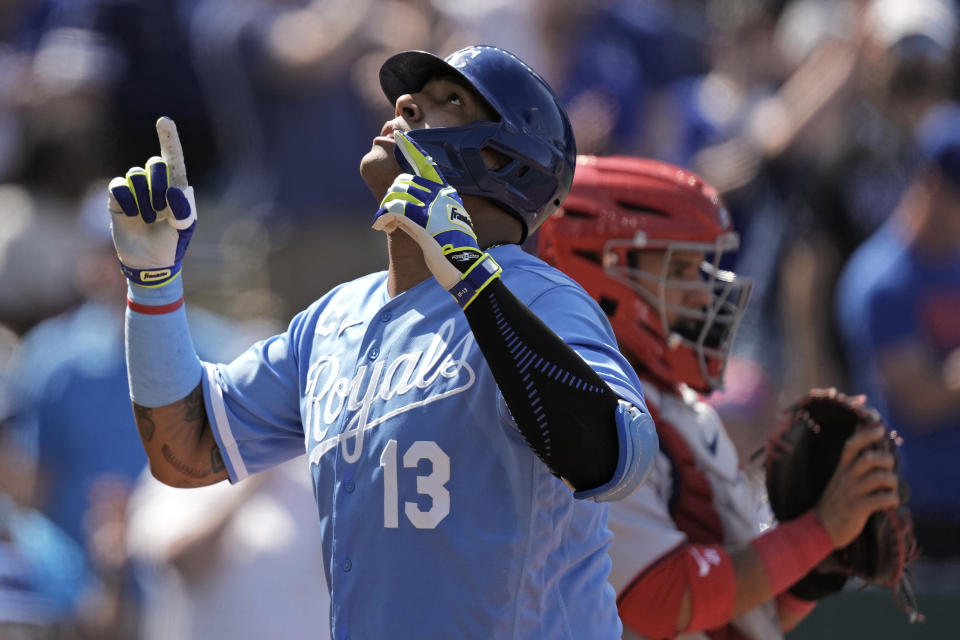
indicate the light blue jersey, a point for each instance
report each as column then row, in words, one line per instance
column 438, row 520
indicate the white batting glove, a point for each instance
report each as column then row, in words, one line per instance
column 153, row 213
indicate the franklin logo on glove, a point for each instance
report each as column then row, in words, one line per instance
column 456, row 215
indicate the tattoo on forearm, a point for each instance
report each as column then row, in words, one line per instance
column 180, row 465
column 178, row 432
column 216, row 460
column 144, row 419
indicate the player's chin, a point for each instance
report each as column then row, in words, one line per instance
column 378, row 168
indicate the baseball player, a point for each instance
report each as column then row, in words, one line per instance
column 694, row 555
column 456, row 409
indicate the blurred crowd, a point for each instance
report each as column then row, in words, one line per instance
column 818, row 120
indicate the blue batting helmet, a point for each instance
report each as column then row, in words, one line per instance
column 533, row 132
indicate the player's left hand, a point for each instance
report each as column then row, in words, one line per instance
column 431, row 212
column 153, row 213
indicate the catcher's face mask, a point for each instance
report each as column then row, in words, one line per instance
column 677, row 327
column 698, row 305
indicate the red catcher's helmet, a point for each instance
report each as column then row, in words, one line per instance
column 618, row 206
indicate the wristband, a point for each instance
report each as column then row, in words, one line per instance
column 154, row 310
column 792, row 549
column 650, row 605
column 155, row 296
column 475, row 279
column 162, row 364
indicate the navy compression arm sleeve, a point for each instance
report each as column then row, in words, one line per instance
column 564, row 410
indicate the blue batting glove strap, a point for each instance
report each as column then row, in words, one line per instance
column 477, row 278
column 639, row 444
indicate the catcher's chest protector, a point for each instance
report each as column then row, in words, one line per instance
column 691, row 502
column 710, row 500
column 706, row 477
column 691, row 505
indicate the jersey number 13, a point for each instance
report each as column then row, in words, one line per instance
column 431, row 485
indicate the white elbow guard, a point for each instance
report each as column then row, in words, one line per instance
column 638, row 442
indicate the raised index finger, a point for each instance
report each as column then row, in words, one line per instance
column 422, row 164
column 172, row 152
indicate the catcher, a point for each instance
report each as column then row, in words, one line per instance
column 694, row 555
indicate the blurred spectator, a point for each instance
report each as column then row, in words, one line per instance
column 36, row 209
column 33, row 288
column 85, row 60
column 276, row 92
column 790, row 90
column 43, row 575
column 525, row 27
column 898, row 301
column 279, row 82
column 64, row 67
column 231, row 561
column 718, row 123
column 71, row 392
column 626, row 53
column 73, row 388
column 860, row 163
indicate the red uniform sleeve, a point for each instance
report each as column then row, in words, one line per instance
column 651, row 604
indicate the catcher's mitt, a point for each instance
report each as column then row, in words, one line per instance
column 801, row 459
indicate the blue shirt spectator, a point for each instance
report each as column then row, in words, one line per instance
column 73, row 391
column 627, row 53
column 73, row 379
column 42, row 570
column 897, row 303
column 891, row 296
